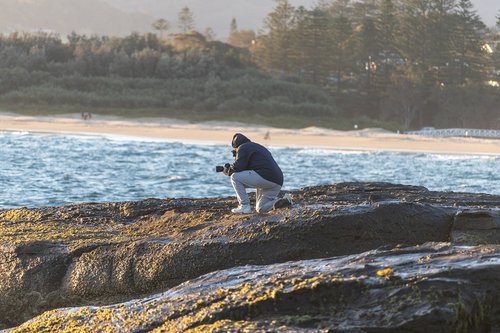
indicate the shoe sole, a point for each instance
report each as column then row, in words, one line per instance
column 282, row 203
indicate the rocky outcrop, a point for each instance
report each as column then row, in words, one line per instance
column 429, row 288
column 476, row 227
column 97, row 254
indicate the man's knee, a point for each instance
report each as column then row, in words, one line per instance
column 264, row 206
column 234, row 178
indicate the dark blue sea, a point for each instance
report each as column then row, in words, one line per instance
column 52, row 169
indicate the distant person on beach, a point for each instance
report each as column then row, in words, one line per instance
column 86, row 115
column 255, row 167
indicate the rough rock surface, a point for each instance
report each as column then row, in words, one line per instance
column 429, row 288
column 97, row 254
column 473, row 226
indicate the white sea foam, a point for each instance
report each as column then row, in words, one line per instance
column 451, row 157
column 20, row 133
column 330, row 152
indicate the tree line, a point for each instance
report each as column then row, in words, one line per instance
column 423, row 62
column 185, row 73
column 413, row 62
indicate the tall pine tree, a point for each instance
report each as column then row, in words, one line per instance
column 367, row 50
column 186, row 19
column 468, row 53
column 414, row 37
column 311, row 40
column 386, row 24
column 275, row 49
column 342, row 40
column 441, row 25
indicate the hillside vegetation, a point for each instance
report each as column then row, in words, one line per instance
column 140, row 75
column 389, row 63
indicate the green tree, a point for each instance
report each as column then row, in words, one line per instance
column 415, row 35
column 441, row 25
column 122, row 65
column 424, row 43
column 186, row 19
column 456, row 107
column 275, row 51
column 386, row 24
column 342, row 45
column 338, row 7
column 468, row 105
column 133, row 43
column 146, row 61
column 243, row 38
column 311, row 42
column 364, row 9
column 341, row 38
column 161, row 25
column 209, row 34
column 405, row 96
column 496, row 52
column 233, row 27
column 240, row 38
column 367, row 50
column 469, row 58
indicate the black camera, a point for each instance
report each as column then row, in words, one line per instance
column 220, row 168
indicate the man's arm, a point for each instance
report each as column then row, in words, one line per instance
column 241, row 160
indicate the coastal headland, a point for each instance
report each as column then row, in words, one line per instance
column 350, row 257
column 221, row 133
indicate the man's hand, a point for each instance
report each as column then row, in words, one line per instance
column 227, row 169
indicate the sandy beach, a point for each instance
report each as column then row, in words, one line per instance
column 221, row 133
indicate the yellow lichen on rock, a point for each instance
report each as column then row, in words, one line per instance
column 21, row 232
column 21, row 214
column 385, row 273
column 232, row 326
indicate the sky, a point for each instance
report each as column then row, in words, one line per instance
column 121, row 17
column 488, row 9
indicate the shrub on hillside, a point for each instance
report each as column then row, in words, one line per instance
column 235, row 105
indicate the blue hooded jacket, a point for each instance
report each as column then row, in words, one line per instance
column 252, row 156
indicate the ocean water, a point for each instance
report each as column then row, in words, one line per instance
column 48, row 169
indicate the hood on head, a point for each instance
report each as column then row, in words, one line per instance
column 239, row 139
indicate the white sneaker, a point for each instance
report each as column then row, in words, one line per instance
column 289, row 198
column 246, row 209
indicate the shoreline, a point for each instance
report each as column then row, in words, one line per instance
column 221, row 133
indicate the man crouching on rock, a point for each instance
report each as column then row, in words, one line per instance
column 255, row 167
